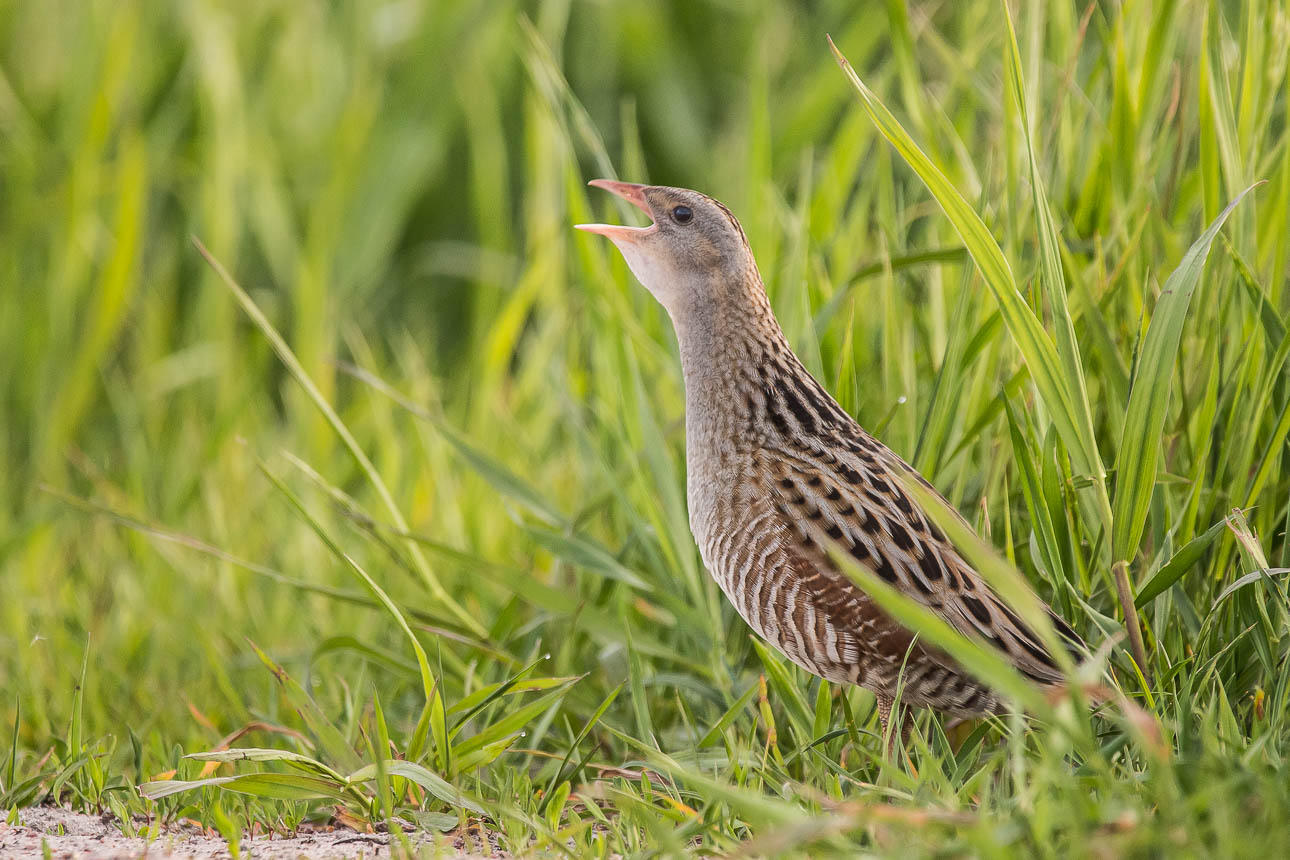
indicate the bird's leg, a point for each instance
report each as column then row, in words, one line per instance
column 884, row 719
column 896, row 735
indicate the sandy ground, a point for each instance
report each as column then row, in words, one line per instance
column 74, row 836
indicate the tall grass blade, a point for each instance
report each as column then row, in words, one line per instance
column 288, row 358
column 428, row 685
column 1144, row 419
column 1034, row 344
column 1051, row 271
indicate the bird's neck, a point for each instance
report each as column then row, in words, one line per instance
column 726, row 347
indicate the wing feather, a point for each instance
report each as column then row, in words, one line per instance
column 843, row 496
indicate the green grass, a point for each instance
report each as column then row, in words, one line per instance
column 407, row 507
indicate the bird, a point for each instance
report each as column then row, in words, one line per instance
column 779, row 477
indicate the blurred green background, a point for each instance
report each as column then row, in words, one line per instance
column 392, row 181
column 394, row 184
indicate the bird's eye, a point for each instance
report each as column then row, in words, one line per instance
column 683, row 214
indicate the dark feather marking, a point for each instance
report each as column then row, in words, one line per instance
column 822, row 402
column 1021, row 626
column 1038, row 653
column 780, row 422
column 930, row 566
column 734, row 222
column 803, row 415
column 899, row 536
column 884, row 569
column 849, row 474
column 977, row 608
column 906, row 508
column 920, row 585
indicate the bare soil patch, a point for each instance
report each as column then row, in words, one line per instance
column 76, row 836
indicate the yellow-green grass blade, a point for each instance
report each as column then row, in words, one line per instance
column 258, row 754
column 1034, row 344
column 428, row 685
column 1144, row 419
column 1052, row 273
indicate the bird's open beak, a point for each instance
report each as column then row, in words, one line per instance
column 633, row 194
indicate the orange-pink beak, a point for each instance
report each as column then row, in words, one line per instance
column 633, row 194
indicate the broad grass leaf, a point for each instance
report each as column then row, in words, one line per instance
column 286, row 786
column 511, row 722
column 587, row 555
column 1006, row 581
column 275, row 786
column 1144, row 418
column 498, row 476
column 257, row 754
column 485, row 755
column 422, row 776
column 440, row 821
column 1181, row 562
column 486, row 695
column 166, row 787
column 1252, row 577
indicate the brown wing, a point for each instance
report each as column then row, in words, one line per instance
column 849, row 495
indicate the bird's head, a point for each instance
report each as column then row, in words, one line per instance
column 693, row 252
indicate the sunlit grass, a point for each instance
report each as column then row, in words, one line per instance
column 198, row 551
